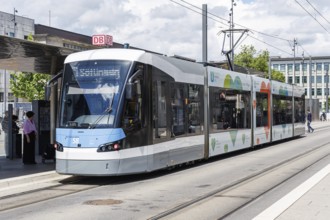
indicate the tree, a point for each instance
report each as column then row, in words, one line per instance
column 248, row 57
column 30, row 86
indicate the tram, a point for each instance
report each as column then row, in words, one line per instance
column 125, row 111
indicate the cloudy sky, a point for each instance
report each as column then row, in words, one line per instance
column 174, row 27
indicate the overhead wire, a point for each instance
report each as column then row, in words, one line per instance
column 270, row 45
column 311, row 16
column 250, row 29
column 318, row 12
column 209, row 13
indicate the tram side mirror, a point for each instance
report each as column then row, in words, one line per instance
column 130, row 91
column 131, row 86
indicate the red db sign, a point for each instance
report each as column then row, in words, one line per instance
column 102, row 40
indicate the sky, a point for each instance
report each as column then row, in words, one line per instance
column 174, row 27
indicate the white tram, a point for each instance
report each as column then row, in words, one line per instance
column 125, row 111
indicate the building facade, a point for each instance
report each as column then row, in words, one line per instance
column 310, row 73
column 20, row 27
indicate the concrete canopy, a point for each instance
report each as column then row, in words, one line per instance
column 28, row 56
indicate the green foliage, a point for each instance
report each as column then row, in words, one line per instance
column 250, row 58
column 30, row 86
column 30, row 37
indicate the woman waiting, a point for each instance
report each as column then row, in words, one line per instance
column 30, row 132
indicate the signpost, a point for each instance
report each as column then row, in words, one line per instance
column 102, row 40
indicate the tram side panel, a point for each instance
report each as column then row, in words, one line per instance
column 229, row 111
column 261, row 111
column 282, row 111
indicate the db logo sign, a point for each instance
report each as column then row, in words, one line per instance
column 102, row 40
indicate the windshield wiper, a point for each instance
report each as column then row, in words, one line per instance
column 107, row 111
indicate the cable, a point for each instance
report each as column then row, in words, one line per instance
column 268, row 35
column 317, row 11
column 197, row 11
column 311, row 16
column 209, row 13
column 270, row 45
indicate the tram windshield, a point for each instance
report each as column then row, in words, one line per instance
column 91, row 91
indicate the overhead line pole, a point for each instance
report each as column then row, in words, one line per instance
column 206, row 80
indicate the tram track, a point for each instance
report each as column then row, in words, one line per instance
column 244, row 191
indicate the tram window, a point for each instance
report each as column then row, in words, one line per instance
column 229, row 109
column 195, row 92
column 178, row 111
column 282, row 110
column 262, row 109
column 299, row 107
column 160, row 110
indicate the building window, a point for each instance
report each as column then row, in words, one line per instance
column 290, row 79
column 319, row 91
column 305, row 91
column 290, row 68
column 297, row 79
column 313, row 91
column 313, row 79
column 304, row 79
column 318, row 79
column 304, row 66
column 318, row 67
column 1, row 97
column 275, row 66
column 297, row 67
column 11, row 97
column 326, row 91
column 282, row 68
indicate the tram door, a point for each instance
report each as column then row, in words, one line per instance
column 162, row 115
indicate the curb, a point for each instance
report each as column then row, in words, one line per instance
column 29, row 179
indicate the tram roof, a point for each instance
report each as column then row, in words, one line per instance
column 180, row 70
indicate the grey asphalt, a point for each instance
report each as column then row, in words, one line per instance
column 13, row 170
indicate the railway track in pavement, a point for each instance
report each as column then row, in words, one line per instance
column 224, row 201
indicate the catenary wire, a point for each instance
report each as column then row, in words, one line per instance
column 311, row 15
column 318, row 12
column 252, row 30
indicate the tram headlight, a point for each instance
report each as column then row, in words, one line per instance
column 108, row 147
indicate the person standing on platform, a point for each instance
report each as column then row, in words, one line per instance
column 30, row 133
column 309, row 121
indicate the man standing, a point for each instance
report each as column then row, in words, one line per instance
column 309, row 121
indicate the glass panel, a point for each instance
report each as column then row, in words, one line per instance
column 195, row 119
column 229, row 109
column 299, row 109
column 282, row 110
column 177, row 101
column 91, row 91
column 262, row 109
column 159, row 94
